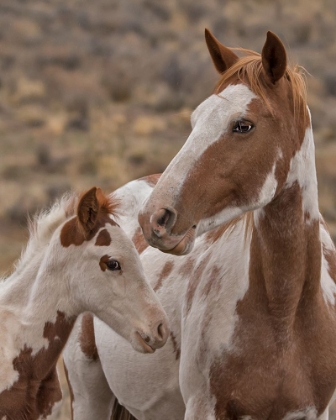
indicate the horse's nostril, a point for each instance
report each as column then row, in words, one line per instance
column 163, row 217
column 163, row 220
column 160, row 331
column 147, row 339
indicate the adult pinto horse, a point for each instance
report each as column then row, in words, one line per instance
column 252, row 308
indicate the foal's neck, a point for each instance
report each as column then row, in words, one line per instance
column 34, row 308
column 286, row 239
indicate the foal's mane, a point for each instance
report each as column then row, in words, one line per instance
column 42, row 226
column 248, row 69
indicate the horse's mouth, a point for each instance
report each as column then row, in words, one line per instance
column 185, row 245
column 146, row 348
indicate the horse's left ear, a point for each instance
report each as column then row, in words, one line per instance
column 274, row 57
column 222, row 57
column 88, row 209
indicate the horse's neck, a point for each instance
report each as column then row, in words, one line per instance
column 285, row 247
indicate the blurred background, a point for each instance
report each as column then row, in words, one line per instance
column 99, row 93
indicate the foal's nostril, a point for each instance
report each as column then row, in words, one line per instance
column 161, row 331
column 147, row 339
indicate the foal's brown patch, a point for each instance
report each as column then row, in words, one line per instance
column 72, row 234
column 103, row 238
column 87, row 339
column 36, row 391
column 94, row 211
column 104, row 259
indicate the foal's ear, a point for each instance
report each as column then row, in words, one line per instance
column 274, row 57
column 88, row 209
column 222, row 57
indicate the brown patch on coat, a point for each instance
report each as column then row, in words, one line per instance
column 176, row 347
column 272, row 371
column 166, row 270
column 103, row 238
column 151, row 179
column 104, row 259
column 72, row 234
column 37, row 389
column 139, row 240
column 87, row 339
column 212, row 283
column 194, row 279
column 119, row 412
column 94, row 211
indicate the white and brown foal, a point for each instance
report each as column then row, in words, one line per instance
column 77, row 259
column 252, row 307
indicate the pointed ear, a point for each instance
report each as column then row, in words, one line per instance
column 274, row 57
column 88, row 209
column 222, row 57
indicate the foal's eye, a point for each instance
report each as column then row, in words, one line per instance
column 242, row 127
column 113, row 265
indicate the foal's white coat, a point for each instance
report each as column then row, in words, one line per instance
column 55, row 282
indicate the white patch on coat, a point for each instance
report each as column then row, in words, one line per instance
column 131, row 197
column 209, row 326
column 303, row 170
column 210, row 120
column 309, row 413
column 327, row 283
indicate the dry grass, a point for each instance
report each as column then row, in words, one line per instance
column 100, row 95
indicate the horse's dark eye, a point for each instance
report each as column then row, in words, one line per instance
column 113, row 265
column 242, row 127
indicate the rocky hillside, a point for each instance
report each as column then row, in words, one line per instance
column 101, row 93
column 98, row 93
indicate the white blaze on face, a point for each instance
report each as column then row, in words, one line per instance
column 209, row 121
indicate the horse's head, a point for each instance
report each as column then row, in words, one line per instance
column 104, row 275
column 238, row 156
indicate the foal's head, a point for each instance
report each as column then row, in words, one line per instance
column 103, row 273
column 239, row 155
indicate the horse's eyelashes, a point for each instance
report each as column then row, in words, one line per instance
column 242, row 127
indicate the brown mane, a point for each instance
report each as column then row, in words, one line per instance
column 248, row 69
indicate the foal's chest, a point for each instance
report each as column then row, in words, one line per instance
column 30, row 397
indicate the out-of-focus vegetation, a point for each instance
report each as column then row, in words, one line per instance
column 98, row 93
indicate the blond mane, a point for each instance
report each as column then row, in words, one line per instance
column 248, row 69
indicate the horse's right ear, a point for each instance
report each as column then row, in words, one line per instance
column 88, row 209
column 222, row 57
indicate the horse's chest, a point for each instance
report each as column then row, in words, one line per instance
column 266, row 382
